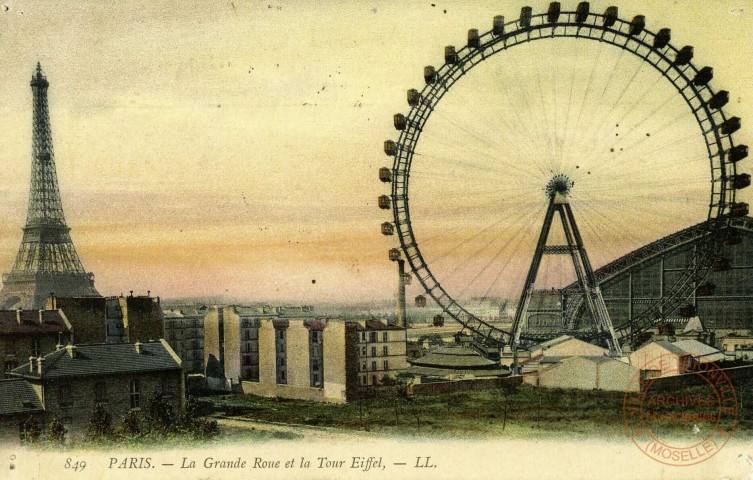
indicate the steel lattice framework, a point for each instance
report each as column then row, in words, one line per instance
column 655, row 49
column 47, row 260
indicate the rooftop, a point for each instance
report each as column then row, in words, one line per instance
column 17, row 396
column 455, row 357
column 103, row 359
column 377, row 325
column 18, row 322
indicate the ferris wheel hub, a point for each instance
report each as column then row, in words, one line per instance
column 559, row 187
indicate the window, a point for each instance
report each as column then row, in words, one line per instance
column 135, row 394
column 363, row 350
column 363, row 367
column 373, row 336
column 100, row 392
column 373, row 351
column 384, row 336
column 35, row 348
column 386, row 364
column 373, row 380
column 385, row 352
column 281, row 368
column 373, row 365
column 363, row 336
column 64, row 396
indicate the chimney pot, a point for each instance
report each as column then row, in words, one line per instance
column 71, row 350
column 31, row 364
column 18, row 316
column 41, row 318
column 138, row 347
column 40, row 365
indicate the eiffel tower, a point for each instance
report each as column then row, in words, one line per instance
column 558, row 190
column 47, row 261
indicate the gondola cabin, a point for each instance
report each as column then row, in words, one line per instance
column 407, row 279
column 662, row 38
column 730, row 126
column 684, row 55
column 666, row 329
column 473, row 40
column 732, row 238
column 439, row 321
column 394, row 254
column 390, row 148
column 430, row 75
column 705, row 289
column 553, row 14
column 414, row 98
column 385, row 174
column 384, row 202
column 399, row 121
column 737, row 153
column 420, row 301
column 720, row 264
column 525, row 17
column 388, row 229
column 719, row 99
column 740, row 181
column 738, row 209
column 498, row 27
column 581, row 13
column 450, row 55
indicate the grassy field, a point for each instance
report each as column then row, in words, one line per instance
column 525, row 411
column 530, row 412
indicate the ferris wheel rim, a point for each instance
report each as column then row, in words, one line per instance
column 538, row 27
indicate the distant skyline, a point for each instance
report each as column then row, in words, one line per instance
column 225, row 148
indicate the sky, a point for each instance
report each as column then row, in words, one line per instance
column 232, row 148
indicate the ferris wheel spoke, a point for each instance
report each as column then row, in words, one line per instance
column 603, row 122
column 499, row 252
column 475, row 236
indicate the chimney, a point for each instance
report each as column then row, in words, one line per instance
column 40, row 365
column 31, row 364
column 71, row 350
column 18, row 316
column 54, row 301
column 138, row 347
column 41, row 318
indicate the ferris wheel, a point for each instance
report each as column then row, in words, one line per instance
column 625, row 124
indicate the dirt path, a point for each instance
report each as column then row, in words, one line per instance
column 304, row 431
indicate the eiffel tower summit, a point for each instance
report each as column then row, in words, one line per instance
column 47, row 261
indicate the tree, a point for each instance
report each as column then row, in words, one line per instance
column 57, row 431
column 100, row 423
column 32, row 430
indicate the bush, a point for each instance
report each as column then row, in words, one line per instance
column 131, row 424
column 32, row 429
column 191, row 422
column 100, row 423
column 159, row 416
column 56, row 432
